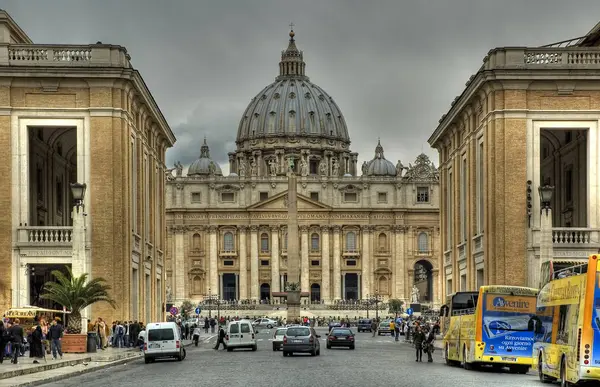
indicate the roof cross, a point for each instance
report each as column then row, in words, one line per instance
column 292, row 25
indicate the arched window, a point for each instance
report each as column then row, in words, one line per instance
column 351, row 241
column 197, row 285
column 423, row 243
column 383, row 285
column 196, row 241
column 228, row 241
column 264, row 242
column 314, row 242
column 382, row 242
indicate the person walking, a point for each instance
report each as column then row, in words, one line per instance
column 429, row 348
column 392, row 329
column 374, row 327
column 221, row 339
column 206, row 322
column 213, row 322
column 4, row 338
column 418, row 339
column 55, row 334
column 16, row 333
column 36, row 349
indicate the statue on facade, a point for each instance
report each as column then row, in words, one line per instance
column 335, row 166
column 212, row 168
column 323, row 167
column 414, row 295
column 291, row 164
column 253, row 168
column 242, row 168
column 303, row 167
column 273, row 166
column 400, row 168
column 169, row 174
column 365, row 168
column 169, row 293
column 178, row 169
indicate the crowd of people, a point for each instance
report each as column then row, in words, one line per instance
column 43, row 338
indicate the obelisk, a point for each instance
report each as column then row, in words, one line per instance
column 293, row 260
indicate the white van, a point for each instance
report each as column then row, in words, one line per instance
column 163, row 339
column 240, row 334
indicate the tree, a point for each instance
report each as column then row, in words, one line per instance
column 76, row 293
column 395, row 305
column 186, row 309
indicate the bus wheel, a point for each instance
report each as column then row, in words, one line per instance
column 465, row 364
column 543, row 378
column 563, row 374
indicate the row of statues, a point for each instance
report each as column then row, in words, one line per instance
column 273, row 165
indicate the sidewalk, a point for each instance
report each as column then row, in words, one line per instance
column 27, row 374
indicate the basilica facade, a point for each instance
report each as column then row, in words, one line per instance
column 364, row 230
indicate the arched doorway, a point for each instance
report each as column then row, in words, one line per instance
column 315, row 293
column 423, row 280
column 265, row 292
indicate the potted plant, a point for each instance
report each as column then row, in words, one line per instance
column 76, row 293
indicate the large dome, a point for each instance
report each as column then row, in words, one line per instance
column 292, row 106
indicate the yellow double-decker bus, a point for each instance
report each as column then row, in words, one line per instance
column 567, row 345
column 493, row 326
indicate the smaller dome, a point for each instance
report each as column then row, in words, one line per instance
column 379, row 166
column 204, row 165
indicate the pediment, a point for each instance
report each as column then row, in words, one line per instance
column 280, row 202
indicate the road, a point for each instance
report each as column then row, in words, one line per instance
column 376, row 361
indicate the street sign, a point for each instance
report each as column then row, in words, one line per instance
column 198, row 310
column 174, row 310
column 409, row 311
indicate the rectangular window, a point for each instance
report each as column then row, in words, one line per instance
column 227, row 197
column 449, row 212
column 463, row 200
column 480, row 185
column 382, row 197
column 463, row 282
column 263, row 196
column 479, row 278
column 195, row 197
column 314, row 196
column 314, row 263
column 161, row 334
column 422, row 194
column 234, row 328
column 245, row 328
column 569, row 184
column 350, row 262
column 562, row 335
column 314, row 167
column 264, row 262
column 228, row 263
column 350, row 197
column 449, row 287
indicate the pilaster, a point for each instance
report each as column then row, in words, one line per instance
column 254, row 290
column 366, row 260
column 325, row 273
column 337, row 275
column 400, row 262
column 305, row 271
column 213, row 266
column 243, row 284
column 179, row 264
column 275, row 259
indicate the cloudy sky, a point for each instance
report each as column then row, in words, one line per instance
column 393, row 66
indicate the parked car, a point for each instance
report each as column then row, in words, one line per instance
column 240, row 334
column 364, row 325
column 384, row 328
column 163, row 340
column 264, row 323
column 278, row 338
column 340, row 337
column 301, row 339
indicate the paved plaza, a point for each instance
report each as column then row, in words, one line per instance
column 376, row 361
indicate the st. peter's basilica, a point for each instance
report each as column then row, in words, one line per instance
column 369, row 229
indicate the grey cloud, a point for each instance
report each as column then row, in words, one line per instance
column 392, row 66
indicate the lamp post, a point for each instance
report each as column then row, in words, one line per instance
column 375, row 299
column 546, row 244
column 213, row 298
column 79, row 260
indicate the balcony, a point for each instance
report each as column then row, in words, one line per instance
column 422, row 253
column 228, row 253
column 542, row 58
column 59, row 236
column 570, row 242
column 462, row 251
column 351, row 252
column 44, row 55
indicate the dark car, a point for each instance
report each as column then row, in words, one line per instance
column 301, row 339
column 334, row 324
column 340, row 337
column 364, row 325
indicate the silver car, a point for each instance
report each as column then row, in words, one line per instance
column 264, row 323
column 301, row 339
column 278, row 338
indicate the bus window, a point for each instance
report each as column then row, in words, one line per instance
column 562, row 336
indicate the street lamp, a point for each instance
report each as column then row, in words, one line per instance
column 546, row 243
column 376, row 299
column 79, row 263
column 546, row 192
column 213, row 298
column 78, row 192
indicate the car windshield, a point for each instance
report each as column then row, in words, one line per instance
column 280, row 332
column 298, row 332
column 385, row 324
column 341, row 332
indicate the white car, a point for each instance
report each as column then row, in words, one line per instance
column 240, row 334
column 163, row 340
column 278, row 338
column 265, row 322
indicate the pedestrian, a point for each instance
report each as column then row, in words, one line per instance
column 418, row 339
column 429, row 348
column 213, row 322
column 392, row 329
column 374, row 326
column 36, row 349
column 206, row 322
column 196, row 335
column 16, row 334
column 55, row 334
column 221, row 339
column 4, row 338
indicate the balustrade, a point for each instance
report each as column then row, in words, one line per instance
column 51, row 235
column 103, row 55
column 570, row 236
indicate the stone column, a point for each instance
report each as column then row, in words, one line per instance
column 305, row 272
column 243, row 285
column 213, row 267
column 178, row 267
column 325, row 274
column 275, row 259
column 546, row 247
column 337, row 275
column 400, row 262
column 254, row 294
column 78, row 261
column 366, row 260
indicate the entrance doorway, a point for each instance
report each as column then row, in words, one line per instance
column 315, row 293
column 351, row 286
column 229, row 287
column 265, row 292
column 424, row 280
column 39, row 274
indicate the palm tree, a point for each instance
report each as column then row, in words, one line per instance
column 76, row 293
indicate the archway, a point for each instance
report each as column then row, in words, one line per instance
column 265, row 292
column 229, row 287
column 423, row 280
column 315, row 293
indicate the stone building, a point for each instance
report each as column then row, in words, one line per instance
column 80, row 113
column 364, row 230
column 527, row 118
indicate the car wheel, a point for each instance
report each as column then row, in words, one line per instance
column 269, row 326
column 543, row 378
column 275, row 347
column 563, row 375
column 147, row 360
column 328, row 346
column 229, row 349
column 319, row 352
column 378, row 333
column 352, row 347
column 313, row 352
